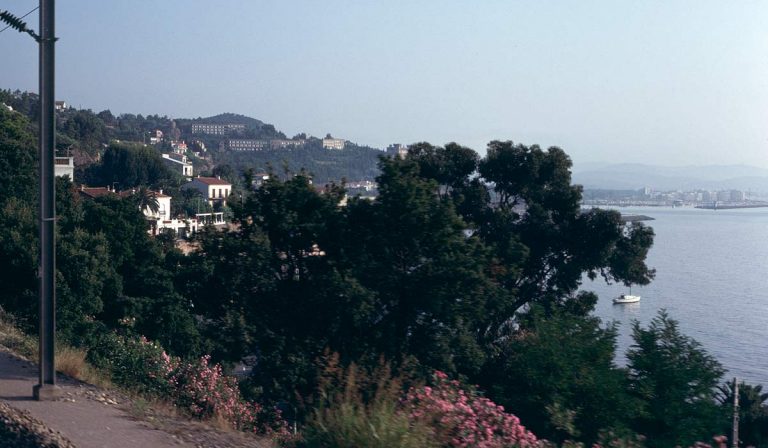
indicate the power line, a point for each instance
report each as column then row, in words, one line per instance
column 25, row 15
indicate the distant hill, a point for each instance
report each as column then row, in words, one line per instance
column 354, row 162
column 85, row 134
column 635, row 176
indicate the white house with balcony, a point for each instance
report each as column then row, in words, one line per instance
column 178, row 164
column 163, row 207
column 214, row 189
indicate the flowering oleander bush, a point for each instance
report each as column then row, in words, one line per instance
column 206, row 392
column 462, row 418
column 198, row 387
column 373, row 409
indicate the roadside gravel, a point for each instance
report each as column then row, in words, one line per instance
column 20, row 429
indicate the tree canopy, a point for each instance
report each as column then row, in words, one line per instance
column 466, row 264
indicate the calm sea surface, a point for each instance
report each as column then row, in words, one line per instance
column 712, row 277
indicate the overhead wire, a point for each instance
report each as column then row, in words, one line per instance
column 25, row 15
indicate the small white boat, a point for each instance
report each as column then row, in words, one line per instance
column 626, row 298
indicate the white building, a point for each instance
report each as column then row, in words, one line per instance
column 179, row 147
column 155, row 136
column 396, row 149
column 333, row 143
column 163, row 207
column 213, row 189
column 178, row 164
column 366, row 185
column 286, row 143
column 64, row 166
column 247, row 145
column 216, row 129
column 161, row 220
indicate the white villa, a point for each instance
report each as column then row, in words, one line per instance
column 162, row 219
column 213, row 189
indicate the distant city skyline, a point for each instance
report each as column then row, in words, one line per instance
column 669, row 83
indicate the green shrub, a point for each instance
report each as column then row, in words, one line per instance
column 134, row 363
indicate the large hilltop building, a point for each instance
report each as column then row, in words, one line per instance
column 217, row 129
column 259, row 145
column 247, row 145
column 333, row 143
column 397, row 149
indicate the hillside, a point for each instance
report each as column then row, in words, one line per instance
column 351, row 163
column 85, row 134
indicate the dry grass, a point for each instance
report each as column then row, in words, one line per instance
column 69, row 360
column 15, row 340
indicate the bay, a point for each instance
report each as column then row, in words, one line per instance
column 711, row 276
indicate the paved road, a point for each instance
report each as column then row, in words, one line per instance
column 88, row 423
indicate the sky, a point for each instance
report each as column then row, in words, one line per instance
column 668, row 82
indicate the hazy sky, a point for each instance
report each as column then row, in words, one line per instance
column 666, row 82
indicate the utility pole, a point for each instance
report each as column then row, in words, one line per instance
column 47, row 389
column 735, row 437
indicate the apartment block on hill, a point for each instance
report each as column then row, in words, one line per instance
column 217, row 129
column 334, row 143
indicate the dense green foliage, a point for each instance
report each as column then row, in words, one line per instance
column 131, row 165
column 463, row 264
column 351, row 163
column 558, row 374
column 753, row 412
column 675, row 380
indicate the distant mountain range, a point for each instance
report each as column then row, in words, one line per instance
column 630, row 176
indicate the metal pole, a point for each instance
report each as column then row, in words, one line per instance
column 47, row 389
column 735, row 438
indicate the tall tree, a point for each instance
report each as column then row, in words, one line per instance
column 433, row 295
column 131, row 165
column 676, row 380
column 557, row 374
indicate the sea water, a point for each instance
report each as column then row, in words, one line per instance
column 711, row 276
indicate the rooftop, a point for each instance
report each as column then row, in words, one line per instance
column 212, row 181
